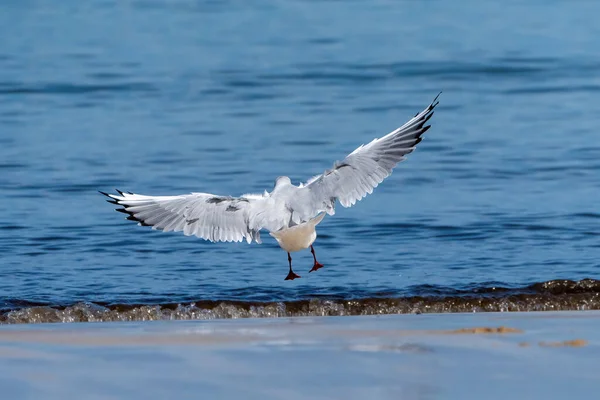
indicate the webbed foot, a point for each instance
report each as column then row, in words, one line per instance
column 316, row 267
column 291, row 276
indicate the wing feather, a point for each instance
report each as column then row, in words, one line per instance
column 208, row 216
column 364, row 169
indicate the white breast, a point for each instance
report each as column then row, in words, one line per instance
column 298, row 237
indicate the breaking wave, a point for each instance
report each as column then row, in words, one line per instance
column 543, row 296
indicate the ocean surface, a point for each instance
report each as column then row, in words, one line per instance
column 497, row 209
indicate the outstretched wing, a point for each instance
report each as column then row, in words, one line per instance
column 207, row 216
column 364, row 169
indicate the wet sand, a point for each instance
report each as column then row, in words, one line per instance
column 549, row 355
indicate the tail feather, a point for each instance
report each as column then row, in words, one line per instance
column 316, row 220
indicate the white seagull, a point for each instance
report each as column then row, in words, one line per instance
column 290, row 213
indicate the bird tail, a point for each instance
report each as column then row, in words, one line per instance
column 316, row 220
column 285, row 231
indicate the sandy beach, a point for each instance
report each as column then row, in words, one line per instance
column 550, row 355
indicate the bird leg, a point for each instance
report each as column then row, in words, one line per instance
column 291, row 275
column 317, row 264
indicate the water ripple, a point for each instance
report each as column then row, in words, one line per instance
column 8, row 88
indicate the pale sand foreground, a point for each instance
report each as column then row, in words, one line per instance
column 546, row 355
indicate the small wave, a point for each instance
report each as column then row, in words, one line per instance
column 543, row 296
column 13, row 166
column 71, row 88
column 554, row 89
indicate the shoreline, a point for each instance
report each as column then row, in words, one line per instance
column 553, row 295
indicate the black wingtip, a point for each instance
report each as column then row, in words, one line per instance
column 139, row 221
column 130, row 215
column 111, row 200
column 428, row 117
column 435, row 102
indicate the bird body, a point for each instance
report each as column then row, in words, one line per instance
column 290, row 213
column 298, row 237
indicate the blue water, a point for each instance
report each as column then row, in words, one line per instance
column 167, row 98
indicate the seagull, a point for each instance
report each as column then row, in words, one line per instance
column 289, row 213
